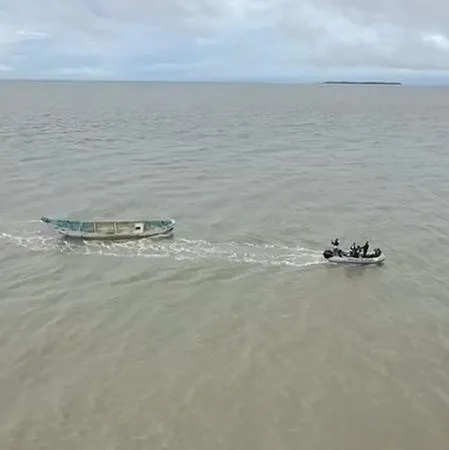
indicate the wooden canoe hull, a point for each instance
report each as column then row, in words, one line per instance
column 111, row 229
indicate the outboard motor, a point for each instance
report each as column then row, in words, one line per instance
column 328, row 254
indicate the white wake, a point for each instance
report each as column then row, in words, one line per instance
column 177, row 248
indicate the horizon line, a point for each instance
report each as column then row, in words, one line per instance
column 280, row 81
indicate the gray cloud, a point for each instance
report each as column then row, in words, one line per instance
column 396, row 34
column 272, row 35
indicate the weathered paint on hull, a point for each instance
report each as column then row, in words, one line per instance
column 114, row 237
column 111, row 230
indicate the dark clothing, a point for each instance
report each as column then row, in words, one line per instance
column 365, row 248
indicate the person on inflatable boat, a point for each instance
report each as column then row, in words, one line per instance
column 354, row 250
column 365, row 248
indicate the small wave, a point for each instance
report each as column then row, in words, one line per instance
column 177, row 248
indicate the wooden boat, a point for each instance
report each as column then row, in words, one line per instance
column 111, row 229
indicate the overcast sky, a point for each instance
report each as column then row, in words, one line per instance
column 224, row 39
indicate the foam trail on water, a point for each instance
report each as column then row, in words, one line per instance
column 178, row 249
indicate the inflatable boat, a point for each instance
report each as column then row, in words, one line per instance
column 353, row 256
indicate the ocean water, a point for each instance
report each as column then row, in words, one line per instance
column 234, row 334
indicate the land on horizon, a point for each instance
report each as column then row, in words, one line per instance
column 395, row 83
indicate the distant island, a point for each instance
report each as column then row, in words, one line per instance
column 393, row 83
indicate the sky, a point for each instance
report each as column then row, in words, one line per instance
column 289, row 40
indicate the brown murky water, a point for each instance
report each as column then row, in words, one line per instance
column 234, row 334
